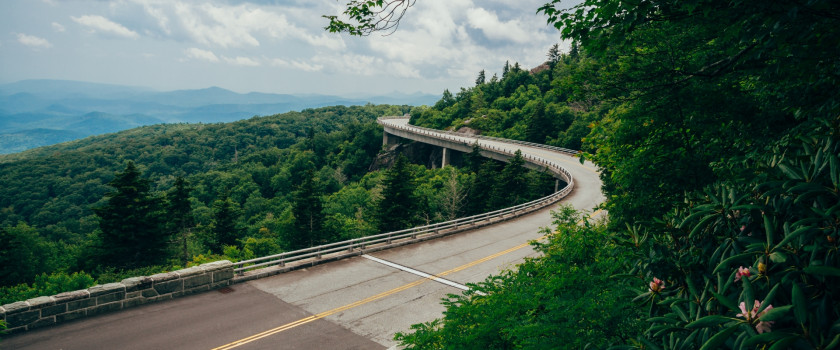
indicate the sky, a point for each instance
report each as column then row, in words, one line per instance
column 272, row 46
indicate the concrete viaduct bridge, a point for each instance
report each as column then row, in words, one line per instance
column 347, row 295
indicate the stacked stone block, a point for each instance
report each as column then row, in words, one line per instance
column 130, row 292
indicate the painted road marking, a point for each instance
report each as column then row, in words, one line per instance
column 420, row 273
column 319, row 316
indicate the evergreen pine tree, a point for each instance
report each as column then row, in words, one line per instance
column 480, row 79
column 539, row 124
column 513, row 184
column 482, row 189
column 574, row 52
column 224, row 227
column 474, row 159
column 554, row 55
column 181, row 220
column 398, row 205
column 307, row 209
column 445, row 101
column 131, row 224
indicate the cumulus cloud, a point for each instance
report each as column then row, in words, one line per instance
column 242, row 61
column 366, row 65
column 300, row 65
column 489, row 23
column 456, row 39
column 101, row 24
column 58, row 27
column 225, row 25
column 202, row 55
column 33, row 41
column 195, row 53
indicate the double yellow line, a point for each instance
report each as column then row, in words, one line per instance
column 319, row 316
column 316, row 317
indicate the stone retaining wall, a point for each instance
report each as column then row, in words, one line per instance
column 49, row 310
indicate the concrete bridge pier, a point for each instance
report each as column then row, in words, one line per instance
column 388, row 139
column 445, row 158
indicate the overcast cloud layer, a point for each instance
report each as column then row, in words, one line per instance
column 268, row 46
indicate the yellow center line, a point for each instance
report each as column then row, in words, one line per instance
column 321, row 315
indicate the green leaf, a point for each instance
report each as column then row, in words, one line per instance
column 702, row 224
column 748, row 295
column 725, row 263
column 800, row 304
column 778, row 257
column 769, row 298
column 769, row 230
column 822, row 270
column 792, row 236
column 718, row 339
column 709, row 321
column 765, row 338
column 649, row 344
column 729, row 303
column 784, row 343
column 680, row 312
column 697, row 212
column 746, row 207
column 776, row 313
column 834, row 343
column 790, row 172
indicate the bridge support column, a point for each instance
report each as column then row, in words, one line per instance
column 388, row 139
column 445, row 157
column 556, row 184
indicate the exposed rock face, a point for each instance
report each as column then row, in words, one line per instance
column 468, row 131
column 540, row 68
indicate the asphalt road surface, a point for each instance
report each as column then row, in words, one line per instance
column 356, row 303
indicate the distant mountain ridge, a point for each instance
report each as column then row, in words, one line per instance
column 35, row 113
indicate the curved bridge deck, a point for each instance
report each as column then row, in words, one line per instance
column 355, row 303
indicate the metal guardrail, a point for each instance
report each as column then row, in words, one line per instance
column 526, row 143
column 417, row 233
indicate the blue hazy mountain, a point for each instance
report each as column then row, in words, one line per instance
column 36, row 113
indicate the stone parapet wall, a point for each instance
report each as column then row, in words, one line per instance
column 49, row 310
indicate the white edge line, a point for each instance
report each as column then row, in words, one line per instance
column 421, row 274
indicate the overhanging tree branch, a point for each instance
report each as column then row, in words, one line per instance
column 369, row 16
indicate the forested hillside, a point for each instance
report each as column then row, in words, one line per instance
column 533, row 105
column 716, row 126
column 159, row 197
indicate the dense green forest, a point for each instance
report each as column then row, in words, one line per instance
column 161, row 197
column 716, row 126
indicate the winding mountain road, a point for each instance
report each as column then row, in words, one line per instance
column 356, row 303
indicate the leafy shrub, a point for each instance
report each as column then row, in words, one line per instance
column 567, row 298
column 746, row 267
column 46, row 285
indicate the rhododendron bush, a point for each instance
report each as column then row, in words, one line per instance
column 747, row 267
